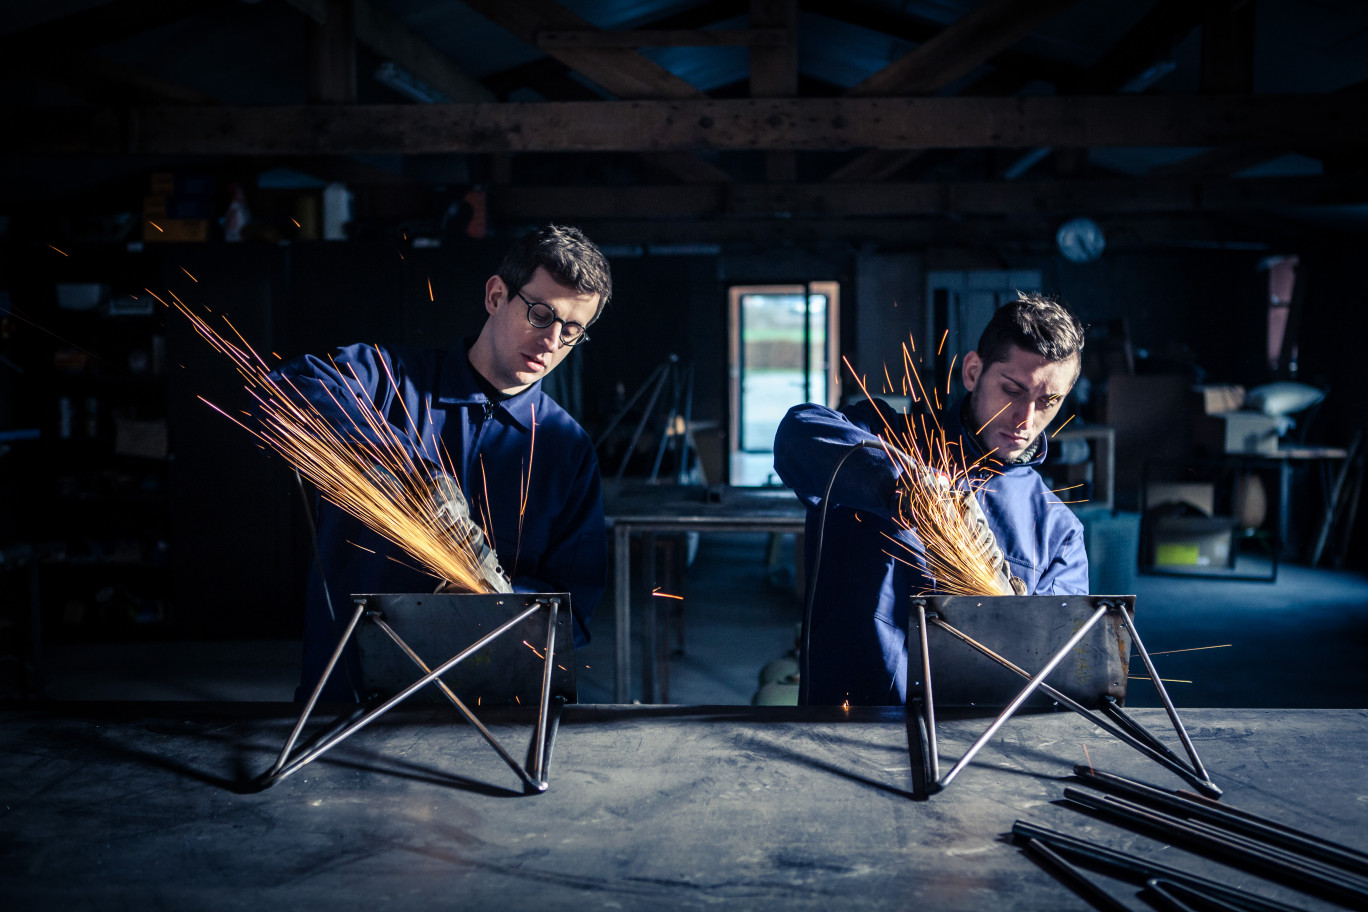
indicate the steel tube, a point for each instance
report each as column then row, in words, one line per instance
column 1142, row 868
column 1301, row 872
column 1251, row 825
column 1168, row 703
column 459, row 704
column 318, row 689
column 1025, row 694
column 408, row 691
column 930, row 701
column 1163, row 756
column 1075, row 878
column 544, row 704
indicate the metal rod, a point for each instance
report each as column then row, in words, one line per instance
column 1163, row 756
column 645, row 416
column 404, row 694
column 1143, row 868
column 1168, row 703
column 1113, row 709
column 622, row 413
column 930, row 702
column 622, row 613
column 1262, row 829
column 459, row 704
column 1231, row 848
column 1025, row 693
column 1075, row 878
column 318, row 689
column 1176, row 895
column 538, row 734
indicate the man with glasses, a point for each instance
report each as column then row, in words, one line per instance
column 524, row 469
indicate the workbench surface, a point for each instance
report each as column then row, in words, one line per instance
column 150, row 806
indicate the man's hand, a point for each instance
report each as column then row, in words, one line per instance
column 452, row 512
column 937, row 484
column 987, row 544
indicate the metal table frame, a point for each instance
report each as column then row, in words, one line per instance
column 680, row 508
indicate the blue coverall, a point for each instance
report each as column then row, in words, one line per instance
column 860, row 606
column 557, row 544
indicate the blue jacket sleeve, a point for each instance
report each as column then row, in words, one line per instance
column 1067, row 573
column 812, row 441
column 576, row 558
column 350, row 388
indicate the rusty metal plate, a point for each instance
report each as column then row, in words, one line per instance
column 1027, row 631
column 438, row 627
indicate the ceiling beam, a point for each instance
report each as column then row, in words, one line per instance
column 332, row 54
column 774, row 72
column 942, row 59
column 386, row 35
column 967, row 199
column 622, row 71
column 1339, row 120
column 1126, row 233
column 1228, row 47
column 1147, row 42
column 961, row 47
column 916, row 30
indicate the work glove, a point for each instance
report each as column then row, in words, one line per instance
column 987, row 545
column 452, row 512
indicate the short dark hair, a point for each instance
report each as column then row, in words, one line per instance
column 564, row 252
column 1035, row 323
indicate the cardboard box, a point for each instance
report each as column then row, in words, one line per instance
column 1251, row 432
column 1192, row 542
column 1218, row 398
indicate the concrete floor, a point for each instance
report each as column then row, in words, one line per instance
column 1298, row 642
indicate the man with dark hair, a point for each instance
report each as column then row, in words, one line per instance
column 1026, row 362
column 476, row 409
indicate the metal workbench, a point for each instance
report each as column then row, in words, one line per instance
column 150, row 806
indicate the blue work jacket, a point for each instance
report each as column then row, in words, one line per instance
column 557, row 543
column 870, row 566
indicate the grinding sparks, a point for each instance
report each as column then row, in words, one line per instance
column 431, row 297
column 658, row 594
column 1192, row 649
column 62, row 252
column 1089, row 757
column 155, row 225
column 933, row 505
column 364, row 469
column 296, row 223
column 1062, row 426
column 192, row 277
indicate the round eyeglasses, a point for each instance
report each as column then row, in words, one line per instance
column 542, row 315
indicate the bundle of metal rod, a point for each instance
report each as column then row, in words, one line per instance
column 1266, row 860
column 1196, row 807
column 1143, row 870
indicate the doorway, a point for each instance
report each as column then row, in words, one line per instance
column 783, row 351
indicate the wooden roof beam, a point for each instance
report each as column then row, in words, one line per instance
column 1339, row 120
column 960, row 48
column 622, row 71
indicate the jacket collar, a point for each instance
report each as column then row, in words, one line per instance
column 456, row 387
column 974, row 448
